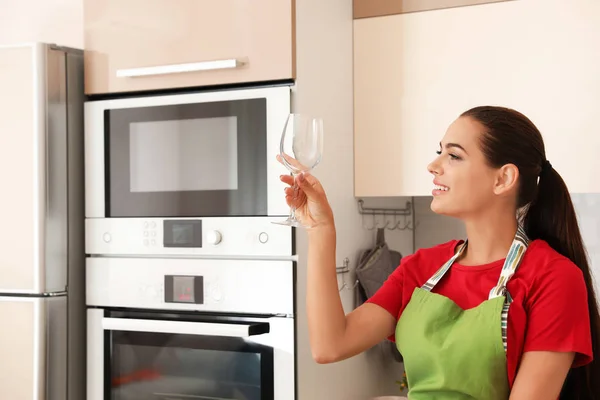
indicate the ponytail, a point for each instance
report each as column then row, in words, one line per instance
column 510, row 137
column 551, row 217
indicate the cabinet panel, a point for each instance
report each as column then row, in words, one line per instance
column 139, row 45
column 376, row 8
column 21, row 163
column 415, row 73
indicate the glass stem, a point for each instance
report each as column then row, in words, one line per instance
column 294, row 195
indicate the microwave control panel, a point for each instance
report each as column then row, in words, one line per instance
column 252, row 236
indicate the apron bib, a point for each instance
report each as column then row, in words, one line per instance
column 450, row 353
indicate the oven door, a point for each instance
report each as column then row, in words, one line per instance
column 183, row 356
column 208, row 154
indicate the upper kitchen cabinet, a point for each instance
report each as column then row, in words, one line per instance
column 136, row 45
column 414, row 73
column 377, row 8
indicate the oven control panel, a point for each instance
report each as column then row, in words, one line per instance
column 244, row 236
column 206, row 293
column 185, row 284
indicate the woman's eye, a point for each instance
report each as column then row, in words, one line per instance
column 451, row 155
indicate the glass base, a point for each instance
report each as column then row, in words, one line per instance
column 287, row 222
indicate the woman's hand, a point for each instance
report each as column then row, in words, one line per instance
column 308, row 197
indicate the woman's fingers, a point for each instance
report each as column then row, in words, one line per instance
column 294, row 197
column 292, row 162
column 288, row 179
column 290, row 191
column 291, row 200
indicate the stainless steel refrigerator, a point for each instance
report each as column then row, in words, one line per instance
column 42, row 313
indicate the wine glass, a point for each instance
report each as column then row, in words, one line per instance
column 301, row 150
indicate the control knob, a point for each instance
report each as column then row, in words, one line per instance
column 214, row 237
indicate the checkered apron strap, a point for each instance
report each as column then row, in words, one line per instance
column 512, row 262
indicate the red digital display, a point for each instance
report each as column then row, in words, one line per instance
column 184, row 289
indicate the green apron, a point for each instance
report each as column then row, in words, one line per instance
column 451, row 353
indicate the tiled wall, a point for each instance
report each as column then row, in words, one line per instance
column 433, row 229
column 587, row 207
column 400, row 239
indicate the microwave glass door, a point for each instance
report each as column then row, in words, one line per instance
column 204, row 159
column 170, row 366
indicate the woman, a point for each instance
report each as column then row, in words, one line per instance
column 509, row 313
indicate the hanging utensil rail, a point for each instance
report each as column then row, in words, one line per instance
column 389, row 223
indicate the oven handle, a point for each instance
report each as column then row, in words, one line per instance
column 186, row 328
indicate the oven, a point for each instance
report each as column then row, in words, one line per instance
column 190, row 308
column 180, row 329
column 204, row 154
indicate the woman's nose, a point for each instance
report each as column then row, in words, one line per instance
column 433, row 168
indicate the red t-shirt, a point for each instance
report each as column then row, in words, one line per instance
column 549, row 310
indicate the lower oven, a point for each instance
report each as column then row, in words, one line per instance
column 181, row 356
column 190, row 329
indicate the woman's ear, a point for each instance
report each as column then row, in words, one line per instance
column 506, row 179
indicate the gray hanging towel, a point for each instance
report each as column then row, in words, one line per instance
column 374, row 267
column 376, row 264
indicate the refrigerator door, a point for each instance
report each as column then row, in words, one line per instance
column 33, row 170
column 33, row 344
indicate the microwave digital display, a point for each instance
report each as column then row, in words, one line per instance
column 182, row 233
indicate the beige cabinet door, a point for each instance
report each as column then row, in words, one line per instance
column 137, row 45
column 381, row 138
column 21, row 164
column 377, row 8
column 415, row 73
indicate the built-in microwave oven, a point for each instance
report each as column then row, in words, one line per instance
column 187, row 155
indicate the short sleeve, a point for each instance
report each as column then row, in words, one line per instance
column 389, row 295
column 558, row 317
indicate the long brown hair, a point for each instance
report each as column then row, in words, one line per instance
column 548, row 214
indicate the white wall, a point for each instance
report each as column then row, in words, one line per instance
column 51, row 21
column 324, row 87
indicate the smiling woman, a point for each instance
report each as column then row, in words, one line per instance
column 508, row 313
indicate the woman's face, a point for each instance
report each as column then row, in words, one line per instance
column 464, row 184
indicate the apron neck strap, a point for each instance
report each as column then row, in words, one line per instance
column 430, row 284
column 511, row 263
